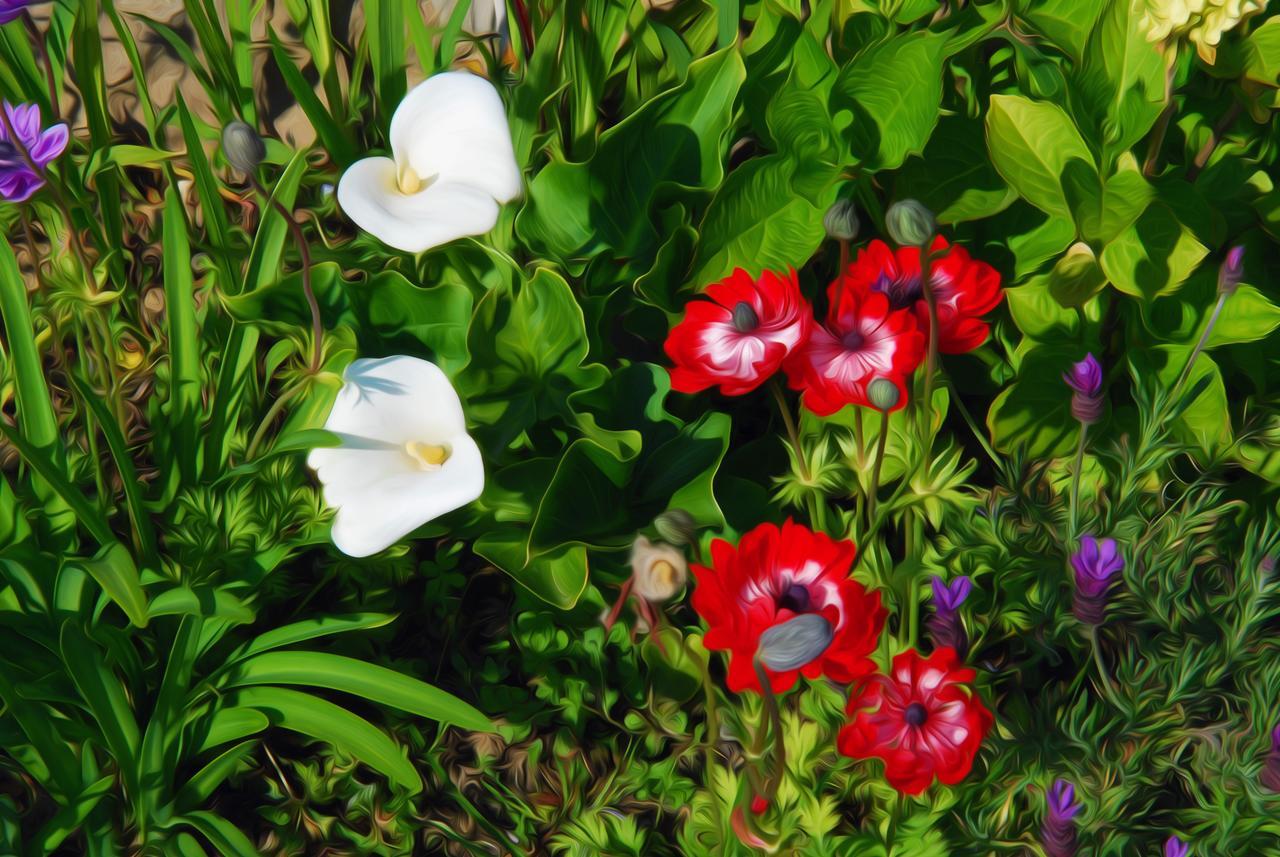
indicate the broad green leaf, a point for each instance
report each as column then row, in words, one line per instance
column 105, row 697
column 1207, row 421
column 1031, row 143
column 1153, row 255
column 892, row 93
column 1034, row 412
column 1103, row 210
column 311, row 629
column 114, row 570
column 221, row 834
column 1247, row 316
column 184, row 340
column 558, row 577
column 322, row 720
column 1066, row 23
column 1076, row 277
column 672, row 144
column 955, row 178
column 360, row 678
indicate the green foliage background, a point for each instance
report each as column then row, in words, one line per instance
column 188, row 667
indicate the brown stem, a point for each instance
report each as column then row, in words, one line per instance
column 1166, row 116
column 37, row 44
column 526, row 28
column 1206, row 151
column 317, row 326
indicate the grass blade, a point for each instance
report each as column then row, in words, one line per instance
column 180, row 309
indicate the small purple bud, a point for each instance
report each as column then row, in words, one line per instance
column 1096, row 563
column 947, row 597
column 945, row 626
column 1271, row 765
column 1232, row 270
column 1175, row 847
column 1275, row 739
column 1085, row 381
column 1058, row 830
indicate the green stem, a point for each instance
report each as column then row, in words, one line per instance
column 978, row 434
column 274, row 411
column 304, row 251
column 916, row 529
column 1195, row 352
column 793, row 433
column 775, row 721
column 931, row 356
column 1075, row 481
column 1104, row 676
column 875, row 470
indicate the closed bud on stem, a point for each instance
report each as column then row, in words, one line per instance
column 883, row 394
column 658, row 570
column 1271, row 765
column 841, row 221
column 242, row 146
column 677, row 527
column 910, row 224
column 1232, row 271
column 791, row 644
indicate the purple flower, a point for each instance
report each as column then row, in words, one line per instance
column 1271, row 764
column 1096, row 564
column 1232, row 270
column 11, row 10
column 1058, row 830
column 1085, row 380
column 17, row 180
column 1175, row 847
column 945, row 626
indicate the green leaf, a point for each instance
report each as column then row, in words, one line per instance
column 1104, row 210
column 1153, row 255
column 324, row 721
column 1065, row 23
column 955, row 178
column 674, row 143
column 105, row 697
column 1121, row 82
column 114, row 570
column 222, row 834
column 1031, row 143
column 759, row 221
column 1206, row 422
column 558, row 577
column 70, row 816
column 360, row 678
column 311, row 629
column 1247, row 316
column 184, row 337
column 893, row 93
column 1076, row 277
column 1034, row 412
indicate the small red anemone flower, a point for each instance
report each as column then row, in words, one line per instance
column 773, row 576
column 966, row 289
column 923, row 719
column 738, row 338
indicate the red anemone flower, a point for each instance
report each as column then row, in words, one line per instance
column 739, row 337
column 966, row 289
column 923, row 719
column 865, row 338
column 773, row 576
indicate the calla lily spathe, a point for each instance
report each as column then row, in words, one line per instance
column 405, row 456
column 452, row 165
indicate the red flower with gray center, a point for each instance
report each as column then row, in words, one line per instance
column 966, row 289
column 783, row 595
column 923, row 719
column 864, row 338
column 738, row 338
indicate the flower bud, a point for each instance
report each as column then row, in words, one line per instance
column 1271, row 764
column 1232, row 271
column 841, row 220
column 946, row 629
column 1175, row 847
column 883, row 394
column 1058, row 830
column 791, row 644
column 1096, row 563
column 1085, row 380
column 910, row 224
column 658, row 570
column 677, row 527
column 242, row 147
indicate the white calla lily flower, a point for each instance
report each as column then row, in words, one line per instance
column 405, row 456
column 452, row 165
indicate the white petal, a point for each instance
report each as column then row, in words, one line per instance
column 374, row 513
column 453, row 126
column 396, row 400
column 439, row 213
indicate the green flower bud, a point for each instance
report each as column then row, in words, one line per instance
column 910, row 224
column 883, row 394
column 676, row 526
column 841, row 221
column 242, row 146
column 795, row 642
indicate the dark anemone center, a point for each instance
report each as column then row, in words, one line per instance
column 795, row 598
column 852, row 340
column 916, row 714
column 902, row 292
column 745, row 319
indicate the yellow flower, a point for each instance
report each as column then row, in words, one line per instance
column 1200, row 21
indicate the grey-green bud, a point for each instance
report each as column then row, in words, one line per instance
column 841, row 221
column 242, row 147
column 795, row 642
column 676, row 526
column 883, row 394
column 910, row 224
column 745, row 318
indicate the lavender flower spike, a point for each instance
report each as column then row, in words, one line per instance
column 17, row 180
column 1175, row 847
column 945, row 626
column 1232, row 271
column 11, row 10
column 1058, row 830
column 1271, row 769
column 1085, row 380
column 1096, row 564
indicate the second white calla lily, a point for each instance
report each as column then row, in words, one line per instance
column 405, row 456
column 452, row 165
